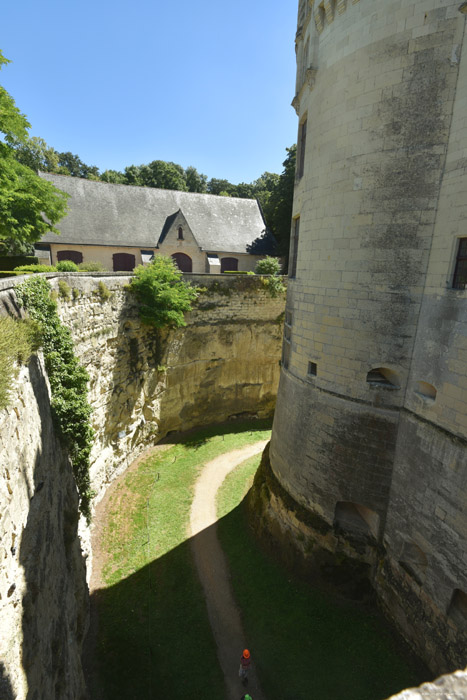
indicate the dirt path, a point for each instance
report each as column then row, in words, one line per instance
column 213, row 571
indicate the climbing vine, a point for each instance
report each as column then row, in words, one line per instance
column 68, row 381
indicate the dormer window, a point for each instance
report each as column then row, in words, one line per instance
column 180, row 233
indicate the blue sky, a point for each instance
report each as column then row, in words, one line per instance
column 125, row 82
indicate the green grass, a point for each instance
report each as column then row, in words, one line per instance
column 305, row 643
column 154, row 636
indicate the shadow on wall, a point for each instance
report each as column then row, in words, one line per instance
column 154, row 640
column 6, row 691
column 55, row 602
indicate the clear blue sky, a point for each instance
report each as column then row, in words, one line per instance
column 122, row 82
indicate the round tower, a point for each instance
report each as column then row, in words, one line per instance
column 370, row 428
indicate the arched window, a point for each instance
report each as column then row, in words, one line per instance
column 180, row 233
column 73, row 255
column 184, row 262
column 123, row 262
column 229, row 265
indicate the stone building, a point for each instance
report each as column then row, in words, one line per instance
column 370, row 431
column 123, row 226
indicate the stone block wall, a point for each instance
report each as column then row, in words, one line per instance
column 370, row 429
column 43, row 591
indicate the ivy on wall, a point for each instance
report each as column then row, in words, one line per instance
column 68, row 381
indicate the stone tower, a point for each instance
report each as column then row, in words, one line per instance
column 370, row 430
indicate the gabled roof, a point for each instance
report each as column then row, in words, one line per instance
column 101, row 213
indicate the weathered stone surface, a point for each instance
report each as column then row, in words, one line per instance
column 449, row 687
column 379, row 208
column 43, row 592
column 143, row 384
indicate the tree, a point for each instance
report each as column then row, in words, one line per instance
column 114, row 176
column 216, row 186
column 36, row 154
column 278, row 208
column 162, row 294
column 195, row 181
column 166, row 176
column 29, row 206
column 73, row 165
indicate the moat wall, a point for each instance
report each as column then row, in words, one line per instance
column 144, row 384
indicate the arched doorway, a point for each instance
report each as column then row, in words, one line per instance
column 229, row 265
column 123, row 262
column 73, row 255
column 184, row 262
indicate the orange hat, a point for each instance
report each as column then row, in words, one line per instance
column 246, row 653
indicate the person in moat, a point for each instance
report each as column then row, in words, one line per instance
column 244, row 666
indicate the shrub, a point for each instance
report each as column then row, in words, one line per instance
column 67, row 266
column 162, row 294
column 18, row 339
column 68, row 382
column 64, row 290
column 271, row 267
column 268, row 266
column 75, row 293
column 35, row 268
column 103, row 291
column 91, row 266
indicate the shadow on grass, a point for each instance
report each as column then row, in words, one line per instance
column 154, row 638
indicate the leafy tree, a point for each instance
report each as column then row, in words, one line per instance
column 167, row 176
column 37, row 155
column 73, row 165
column 216, row 186
column 114, row 176
column 132, row 175
column 278, row 208
column 162, row 294
column 29, row 206
column 195, row 181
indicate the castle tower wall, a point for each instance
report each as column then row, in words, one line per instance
column 372, row 329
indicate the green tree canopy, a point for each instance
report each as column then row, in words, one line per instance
column 278, row 207
column 195, row 181
column 29, row 206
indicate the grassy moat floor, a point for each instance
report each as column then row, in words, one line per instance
column 153, row 638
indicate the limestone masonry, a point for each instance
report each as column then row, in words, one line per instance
column 370, row 429
column 144, row 384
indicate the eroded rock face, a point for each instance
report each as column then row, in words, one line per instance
column 43, row 591
column 146, row 383
column 143, row 385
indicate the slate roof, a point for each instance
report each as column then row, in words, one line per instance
column 101, row 213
